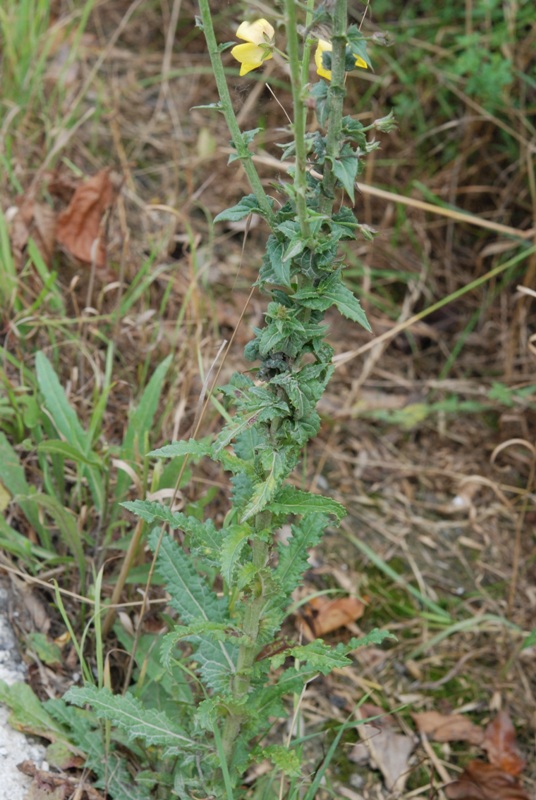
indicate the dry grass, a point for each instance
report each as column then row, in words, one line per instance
column 441, row 492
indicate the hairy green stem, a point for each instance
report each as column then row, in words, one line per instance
column 249, row 648
column 336, row 94
column 297, row 64
column 228, row 111
column 307, row 47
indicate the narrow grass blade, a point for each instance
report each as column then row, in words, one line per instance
column 396, row 578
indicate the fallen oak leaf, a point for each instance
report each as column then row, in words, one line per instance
column 321, row 616
column 79, row 228
column 31, row 220
column 481, row 781
column 448, row 727
column 388, row 751
column 499, row 743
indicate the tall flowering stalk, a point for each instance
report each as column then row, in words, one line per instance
column 231, row 585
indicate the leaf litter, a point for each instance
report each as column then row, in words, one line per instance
column 496, row 780
column 80, row 229
column 385, row 749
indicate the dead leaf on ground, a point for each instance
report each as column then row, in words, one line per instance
column 80, row 230
column 32, row 220
column 448, row 727
column 388, row 751
column 500, row 744
column 480, row 781
column 51, row 786
column 321, row 616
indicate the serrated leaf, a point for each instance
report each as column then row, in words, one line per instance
column 193, row 447
column 287, row 761
column 358, row 44
column 317, row 654
column 129, row 714
column 205, row 537
column 264, row 491
column 293, row 556
column 233, row 544
column 191, row 596
column 236, row 427
column 295, row 247
column 271, row 339
column 248, row 205
column 280, row 267
column 345, row 301
column 319, row 93
column 295, row 501
column 217, row 662
column 324, row 658
column 345, row 170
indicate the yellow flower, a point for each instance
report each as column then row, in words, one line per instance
column 259, row 36
column 327, row 47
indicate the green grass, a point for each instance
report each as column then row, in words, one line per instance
column 84, row 396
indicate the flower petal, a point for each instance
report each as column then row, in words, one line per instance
column 258, row 32
column 250, row 56
column 322, row 47
column 327, row 47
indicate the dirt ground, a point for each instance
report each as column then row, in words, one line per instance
column 427, row 435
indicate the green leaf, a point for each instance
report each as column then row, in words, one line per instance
column 248, row 205
column 193, row 447
column 27, row 711
column 529, row 640
column 345, row 170
column 62, row 413
column 319, row 93
column 135, row 719
column 45, row 649
column 67, row 527
column 67, row 450
column 14, row 480
column 191, row 596
column 141, row 423
column 358, row 44
column 317, row 654
column 67, row 424
column 286, row 761
column 233, row 544
column 295, row 501
column 346, row 302
column 264, row 491
column 295, row 247
column 294, row 555
column 324, row 658
column 280, row 267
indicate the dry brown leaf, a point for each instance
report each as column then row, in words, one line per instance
column 389, row 751
column 480, row 781
column 499, row 742
column 448, row 727
column 50, row 786
column 79, row 228
column 321, row 616
column 30, row 219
